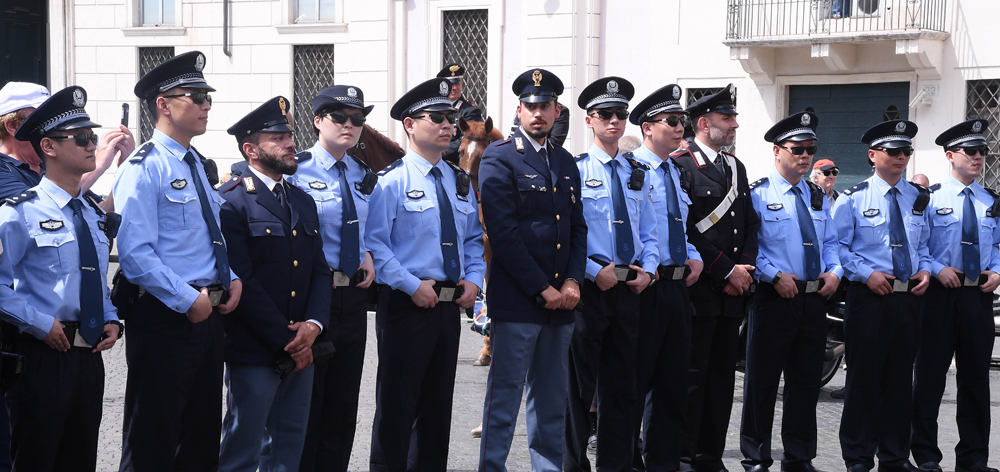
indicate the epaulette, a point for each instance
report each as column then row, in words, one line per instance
column 392, row 166
column 861, row 186
column 923, row 199
column 678, row 153
column 936, row 187
column 363, row 164
column 994, row 210
column 92, row 199
column 303, row 156
column 226, row 187
column 142, row 152
column 581, row 157
column 728, row 153
column 19, row 199
column 817, row 196
column 501, row 143
column 759, row 182
column 635, row 164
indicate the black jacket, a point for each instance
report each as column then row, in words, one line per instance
column 471, row 113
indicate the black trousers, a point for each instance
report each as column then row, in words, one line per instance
column 333, row 413
column 55, row 408
column 173, row 396
column 954, row 322
column 602, row 360
column 784, row 335
column 880, row 333
column 711, row 382
column 417, row 359
column 663, row 346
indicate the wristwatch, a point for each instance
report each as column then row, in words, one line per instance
column 777, row 277
column 652, row 278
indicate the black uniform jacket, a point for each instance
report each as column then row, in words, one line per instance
column 471, row 113
column 534, row 220
column 732, row 240
column 280, row 261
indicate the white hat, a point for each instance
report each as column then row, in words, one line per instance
column 17, row 95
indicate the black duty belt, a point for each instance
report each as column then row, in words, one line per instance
column 981, row 280
column 806, row 286
column 215, row 293
column 673, row 272
column 448, row 291
column 623, row 272
column 341, row 279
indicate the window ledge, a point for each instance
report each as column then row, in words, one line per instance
column 312, row 28
column 155, row 31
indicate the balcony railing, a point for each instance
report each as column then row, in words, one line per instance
column 788, row 20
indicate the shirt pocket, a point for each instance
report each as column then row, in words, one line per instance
column 417, row 218
column 180, row 211
column 531, row 189
column 56, row 254
column 776, row 225
column 987, row 225
column 596, row 204
column 914, row 225
column 328, row 205
column 946, row 227
column 874, row 231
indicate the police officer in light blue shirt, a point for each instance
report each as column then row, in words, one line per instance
column 957, row 313
column 622, row 257
column 342, row 187
column 427, row 242
column 171, row 245
column 53, row 260
column 798, row 266
column 664, row 341
column 883, row 232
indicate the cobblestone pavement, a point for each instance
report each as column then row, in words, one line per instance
column 467, row 414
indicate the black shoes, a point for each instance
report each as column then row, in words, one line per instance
column 904, row 467
column 839, row 394
column 798, row 467
column 759, row 468
column 977, row 467
column 858, row 468
column 930, row 467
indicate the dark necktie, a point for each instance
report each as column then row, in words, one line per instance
column 279, row 193
column 544, row 155
column 622, row 223
column 719, row 163
column 970, row 238
column 449, row 233
column 91, row 291
column 349, row 235
column 808, row 231
column 897, row 239
column 218, row 245
column 675, row 224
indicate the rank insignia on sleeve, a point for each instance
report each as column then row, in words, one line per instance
column 415, row 194
column 51, row 225
column 317, row 185
column 871, row 212
column 178, row 183
column 775, row 206
column 944, row 211
column 592, row 183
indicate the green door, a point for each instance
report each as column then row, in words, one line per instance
column 845, row 112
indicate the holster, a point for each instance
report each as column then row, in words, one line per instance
column 124, row 294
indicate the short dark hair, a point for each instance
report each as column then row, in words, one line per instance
column 252, row 138
column 36, row 144
column 153, row 112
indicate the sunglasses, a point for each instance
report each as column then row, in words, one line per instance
column 834, row 172
column 907, row 151
column 438, row 117
column 341, row 118
column 799, row 150
column 197, row 97
column 82, row 139
column 672, row 121
column 972, row 151
column 606, row 114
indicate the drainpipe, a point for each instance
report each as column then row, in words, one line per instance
column 225, row 29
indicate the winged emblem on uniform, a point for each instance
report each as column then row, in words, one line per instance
column 415, row 194
column 871, row 212
column 317, row 185
column 178, row 183
column 51, row 225
column 944, row 211
column 592, row 183
column 775, row 206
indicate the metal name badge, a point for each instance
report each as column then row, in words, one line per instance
column 621, row 273
column 900, row 285
column 678, row 273
column 447, row 294
column 812, row 286
column 340, row 279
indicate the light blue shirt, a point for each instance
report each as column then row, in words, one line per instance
column 404, row 226
column 946, row 213
column 163, row 242
column 320, row 178
column 658, row 194
column 862, row 221
column 598, row 210
column 39, row 267
column 780, row 237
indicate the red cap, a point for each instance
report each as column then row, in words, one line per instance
column 823, row 164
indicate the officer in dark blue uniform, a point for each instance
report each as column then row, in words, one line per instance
column 53, row 258
column 621, row 259
column 531, row 195
column 466, row 109
column 273, row 241
column 427, row 243
column 722, row 225
column 883, row 235
column 170, row 245
column 956, row 318
column 665, row 311
column 797, row 268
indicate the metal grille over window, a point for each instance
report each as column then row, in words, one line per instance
column 465, row 34
column 983, row 101
column 313, row 71
column 148, row 59
column 696, row 93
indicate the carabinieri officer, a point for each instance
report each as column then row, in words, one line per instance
column 956, row 319
column 455, row 73
column 622, row 257
column 665, row 317
column 797, row 268
column 52, row 288
column 883, row 249
column 171, row 246
column 342, row 186
column 427, row 243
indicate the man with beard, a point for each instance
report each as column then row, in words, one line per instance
column 272, row 231
column 466, row 109
column 342, row 187
column 665, row 310
column 797, row 268
column 722, row 225
column 170, row 245
column 621, row 259
column 531, row 197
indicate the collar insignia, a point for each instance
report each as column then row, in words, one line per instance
column 519, row 142
column 248, row 183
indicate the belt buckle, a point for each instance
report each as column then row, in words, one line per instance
column 900, row 286
column 215, row 296
column 812, row 286
column 447, row 294
column 340, row 279
column 969, row 282
column 78, row 340
column 678, row 273
column 621, row 273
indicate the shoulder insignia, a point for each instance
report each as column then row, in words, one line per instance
column 944, row 211
column 758, row 183
column 581, row 157
column 363, row 164
column 501, row 143
column 728, row 154
column 861, row 186
column 936, row 187
column 303, row 156
column 233, row 183
column 23, row 197
column 51, row 225
column 679, row 153
column 395, row 164
column 519, row 143
column 142, row 152
column 248, row 183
